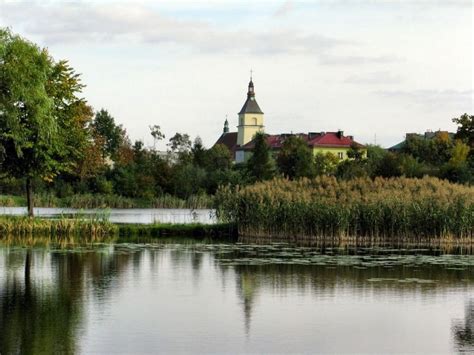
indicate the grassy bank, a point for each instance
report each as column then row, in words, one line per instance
column 86, row 228
column 65, row 227
column 84, row 201
column 325, row 208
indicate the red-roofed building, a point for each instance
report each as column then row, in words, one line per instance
column 251, row 120
column 320, row 142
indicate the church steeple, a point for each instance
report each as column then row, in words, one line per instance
column 226, row 126
column 250, row 105
column 251, row 91
column 250, row 119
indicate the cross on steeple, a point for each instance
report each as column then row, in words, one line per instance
column 251, row 74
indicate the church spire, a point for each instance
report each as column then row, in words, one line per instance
column 250, row 105
column 226, row 125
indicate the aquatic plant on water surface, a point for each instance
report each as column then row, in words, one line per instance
column 326, row 207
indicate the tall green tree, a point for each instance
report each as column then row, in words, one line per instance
column 261, row 165
column 295, row 158
column 113, row 134
column 37, row 104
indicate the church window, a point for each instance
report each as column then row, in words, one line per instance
column 255, row 121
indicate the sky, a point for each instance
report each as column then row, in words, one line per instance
column 375, row 69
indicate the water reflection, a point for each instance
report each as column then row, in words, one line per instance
column 50, row 296
column 464, row 330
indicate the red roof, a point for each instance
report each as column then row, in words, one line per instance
column 314, row 139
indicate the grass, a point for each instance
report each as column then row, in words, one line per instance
column 87, row 228
column 88, row 201
column 65, row 227
column 380, row 209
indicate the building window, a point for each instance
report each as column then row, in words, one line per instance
column 255, row 121
column 340, row 155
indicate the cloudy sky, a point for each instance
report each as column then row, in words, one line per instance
column 373, row 68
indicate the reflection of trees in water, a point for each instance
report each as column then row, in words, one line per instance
column 463, row 331
column 247, row 288
column 42, row 317
column 321, row 281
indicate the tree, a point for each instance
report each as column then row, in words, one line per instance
column 156, row 133
column 113, row 134
column 180, row 145
column 465, row 130
column 261, row 165
column 40, row 114
column 295, row 158
column 198, row 152
column 355, row 152
column 325, row 163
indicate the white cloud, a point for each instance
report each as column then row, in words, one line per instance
column 462, row 99
column 285, row 9
column 374, row 78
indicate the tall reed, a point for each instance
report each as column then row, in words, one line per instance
column 325, row 207
column 64, row 227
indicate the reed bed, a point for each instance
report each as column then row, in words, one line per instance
column 360, row 209
column 64, row 227
column 92, row 201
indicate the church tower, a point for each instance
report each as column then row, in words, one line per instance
column 250, row 118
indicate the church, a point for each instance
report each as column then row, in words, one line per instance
column 251, row 121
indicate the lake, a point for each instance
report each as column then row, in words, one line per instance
column 204, row 297
column 124, row 215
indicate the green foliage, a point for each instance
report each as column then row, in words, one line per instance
column 104, row 125
column 325, row 163
column 295, row 158
column 42, row 120
column 465, row 130
column 324, row 207
column 261, row 165
column 81, row 227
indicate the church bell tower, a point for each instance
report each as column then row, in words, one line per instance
column 250, row 118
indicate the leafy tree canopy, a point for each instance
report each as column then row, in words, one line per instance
column 295, row 158
column 261, row 165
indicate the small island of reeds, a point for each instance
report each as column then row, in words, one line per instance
column 395, row 209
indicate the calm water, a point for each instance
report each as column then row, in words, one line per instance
column 125, row 215
column 228, row 298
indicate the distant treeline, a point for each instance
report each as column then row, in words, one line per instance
column 375, row 209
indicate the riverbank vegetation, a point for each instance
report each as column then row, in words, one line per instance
column 83, row 228
column 325, row 207
column 64, row 227
column 89, row 200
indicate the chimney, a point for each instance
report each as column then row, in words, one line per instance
column 340, row 134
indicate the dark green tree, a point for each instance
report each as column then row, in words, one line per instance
column 465, row 130
column 295, row 158
column 261, row 165
column 41, row 117
column 113, row 134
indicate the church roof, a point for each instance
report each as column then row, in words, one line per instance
column 229, row 140
column 250, row 105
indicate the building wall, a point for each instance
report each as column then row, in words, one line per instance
column 338, row 152
column 249, row 124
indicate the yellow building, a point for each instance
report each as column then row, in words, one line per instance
column 251, row 121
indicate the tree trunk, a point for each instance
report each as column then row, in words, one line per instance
column 29, row 197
